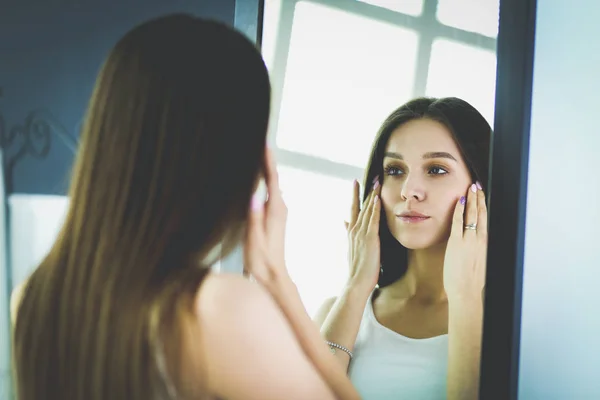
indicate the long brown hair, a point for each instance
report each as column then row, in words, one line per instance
column 171, row 151
column 470, row 131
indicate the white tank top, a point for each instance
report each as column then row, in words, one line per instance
column 387, row 365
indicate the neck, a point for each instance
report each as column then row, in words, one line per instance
column 424, row 278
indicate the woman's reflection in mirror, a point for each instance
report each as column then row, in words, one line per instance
column 408, row 322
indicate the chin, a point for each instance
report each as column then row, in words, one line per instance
column 414, row 244
column 413, row 241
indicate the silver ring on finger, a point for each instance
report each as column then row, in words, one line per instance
column 471, row 227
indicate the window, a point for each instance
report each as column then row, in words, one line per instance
column 338, row 68
column 410, row 7
column 339, row 83
column 464, row 71
column 479, row 16
column 315, row 240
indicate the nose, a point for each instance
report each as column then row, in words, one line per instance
column 413, row 188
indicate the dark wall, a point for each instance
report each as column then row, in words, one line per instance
column 50, row 53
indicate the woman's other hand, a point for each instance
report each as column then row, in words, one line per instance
column 364, row 246
column 265, row 240
column 466, row 253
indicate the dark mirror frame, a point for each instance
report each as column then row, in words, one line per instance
column 248, row 19
column 507, row 194
column 508, row 200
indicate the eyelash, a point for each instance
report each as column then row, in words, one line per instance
column 389, row 170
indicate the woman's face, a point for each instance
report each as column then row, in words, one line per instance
column 424, row 176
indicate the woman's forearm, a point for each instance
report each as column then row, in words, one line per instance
column 465, row 327
column 287, row 297
column 343, row 321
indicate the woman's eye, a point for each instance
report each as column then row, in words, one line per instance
column 393, row 171
column 437, row 171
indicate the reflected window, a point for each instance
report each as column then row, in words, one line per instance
column 316, row 248
column 341, row 83
column 464, row 71
column 478, row 16
column 410, row 7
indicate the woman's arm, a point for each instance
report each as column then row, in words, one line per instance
column 265, row 260
column 464, row 282
column 323, row 311
column 343, row 320
column 286, row 296
column 465, row 327
column 342, row 323
column 247, row 348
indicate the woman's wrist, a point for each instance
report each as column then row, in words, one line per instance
column 281, row 284
column 357, row 288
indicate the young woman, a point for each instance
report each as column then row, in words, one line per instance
column 409, row 320
column 124, row 306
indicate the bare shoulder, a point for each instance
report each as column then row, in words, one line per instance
column 227, row 292
column 223, row 299
column 227, row 300
column 243, row 332
column 323, row 311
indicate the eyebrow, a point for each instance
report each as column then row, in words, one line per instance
column 434, row 154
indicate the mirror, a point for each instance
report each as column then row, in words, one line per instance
column 338, row 69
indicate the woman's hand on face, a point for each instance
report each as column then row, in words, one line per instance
column 364, row 246
column 264, row 252
column 466, row 253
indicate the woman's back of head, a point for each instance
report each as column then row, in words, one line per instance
column 171, row 150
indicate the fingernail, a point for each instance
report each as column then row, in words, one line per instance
column 376, row 182
column 479, row 185
column 474, row 188
column 463, row 200
column 376, row 199
column 256, row 203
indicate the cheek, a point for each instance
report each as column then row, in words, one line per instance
column 449, row 204
column 388, row 198
column 390, row 192
column 387, row 203
column 388, row 207
column 447, row 193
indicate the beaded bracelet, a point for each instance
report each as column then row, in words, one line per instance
column 333, row 346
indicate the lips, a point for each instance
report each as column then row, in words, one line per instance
column 412, row 217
